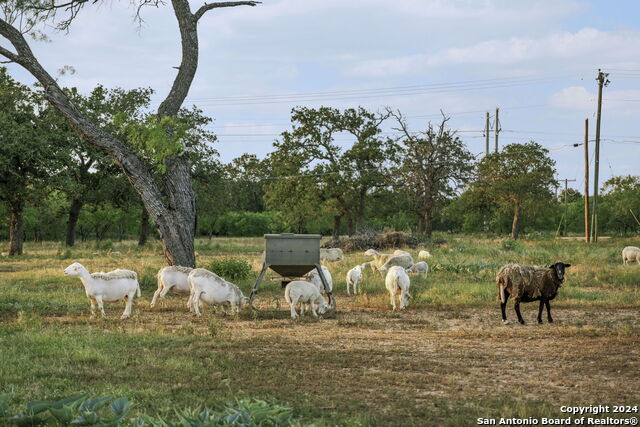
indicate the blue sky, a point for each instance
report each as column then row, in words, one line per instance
column 544, row 54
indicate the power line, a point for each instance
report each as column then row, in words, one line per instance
column 441, row 88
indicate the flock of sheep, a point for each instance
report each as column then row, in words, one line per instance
column 523, row 283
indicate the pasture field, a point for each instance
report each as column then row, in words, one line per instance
column 446, row 360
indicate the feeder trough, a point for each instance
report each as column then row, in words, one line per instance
column 292, row 256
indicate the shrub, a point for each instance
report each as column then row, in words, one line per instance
column 85, row 410
column 230, row 268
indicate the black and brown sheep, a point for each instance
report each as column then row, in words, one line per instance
column 527, row 283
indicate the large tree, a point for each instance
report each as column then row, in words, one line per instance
column 25, row 160
column 432, row 166
column 520, row 176
column 342, row 175
column 171, row 200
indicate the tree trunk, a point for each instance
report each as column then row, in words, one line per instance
column 350, row 228
column 361, row 209
column 427, row 222
column 74, row 215
column 144, row 227
column 16, row 228
column 337, row 219
column 515, row 226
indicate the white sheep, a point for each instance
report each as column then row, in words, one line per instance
column 210, row 288
column 107, row 287
column 331, row 254
column 303, row 292
column 399, row 252
column 424, row 254
column 173, row 278
column 404, row 261
column 314, row 278
column 397, row 283
column 630, row 253
column 419, row 267
column 353, row 278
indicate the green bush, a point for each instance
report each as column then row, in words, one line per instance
column 230, row 268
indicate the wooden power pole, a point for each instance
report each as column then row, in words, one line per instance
column 486, row 134
column 497, row 128
column 602, row 81
column 587, row 238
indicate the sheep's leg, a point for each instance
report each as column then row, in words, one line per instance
column 516, row 306
column 154, row 299
column 355, row 288
column 195, row 303
column 503, row 308
column 549, row 319
column 93, row 307
column 294, row 314
column 164, row 292
column 101, row 306
column 393, row 300
column 127, row 308
column 540, row 310
column 348, row 293
column 313, row 309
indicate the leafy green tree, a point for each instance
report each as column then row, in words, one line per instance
column 621, row 200
column 171, row 200
column 433, row 166
column 340, row 178
column 26, row 161
column 520, row 178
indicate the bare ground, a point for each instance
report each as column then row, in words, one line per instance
column 371, row 360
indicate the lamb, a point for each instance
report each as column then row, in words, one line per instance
column 213, row 289
column 378, row 259
column 332, row 254
column 314, row 278
column 419, row 267
column 526, row 283
column 172, row 278
column 300, row 291
column 353, row 278
column 399, row 252
column 404, row 261
column 424, row 254
column 112, row 286
column 397, row 283
column 630, row 253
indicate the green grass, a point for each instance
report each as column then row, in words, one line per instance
column 369, row 366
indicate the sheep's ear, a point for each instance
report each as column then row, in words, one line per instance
column 551, row 266
column 567, row 265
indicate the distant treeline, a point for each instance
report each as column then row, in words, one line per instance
column 333, row 172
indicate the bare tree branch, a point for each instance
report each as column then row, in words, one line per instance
column 207, row 7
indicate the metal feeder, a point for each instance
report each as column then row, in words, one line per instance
column 292, row 256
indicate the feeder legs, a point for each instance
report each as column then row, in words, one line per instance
column 332, row 300
column 254, row 291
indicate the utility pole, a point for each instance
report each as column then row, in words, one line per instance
column 497, row 129
column 586, row 181
column 566, row 206
column 602, row 81
column 486, row 134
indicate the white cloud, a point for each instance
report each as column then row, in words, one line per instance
column 584, row 45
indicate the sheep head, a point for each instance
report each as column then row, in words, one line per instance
column 74, row 269
column 323, row 307
column 559, row 268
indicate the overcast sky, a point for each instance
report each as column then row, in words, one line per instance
column 536, row 60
